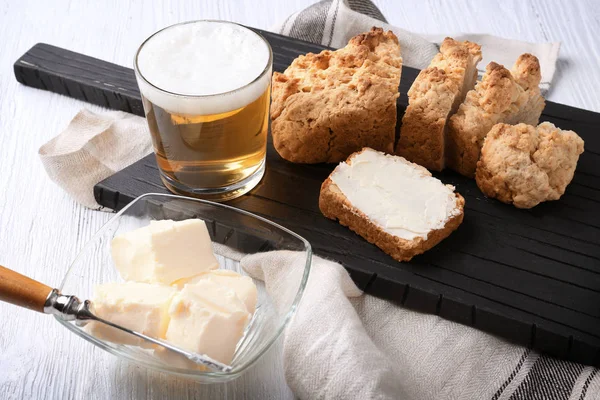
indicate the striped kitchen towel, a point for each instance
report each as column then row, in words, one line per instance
column 333, row 22
column 343, row 344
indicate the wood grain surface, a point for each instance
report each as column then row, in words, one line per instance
column 41, row 228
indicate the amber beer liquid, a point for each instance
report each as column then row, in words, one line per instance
column 213, row 151
column 205, row 89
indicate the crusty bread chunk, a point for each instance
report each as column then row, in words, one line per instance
column 329, row 105
column 393, row 203
column 433, row 97
column 501, row 97
column 525, row 165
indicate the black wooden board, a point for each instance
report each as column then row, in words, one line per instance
column 530, row 276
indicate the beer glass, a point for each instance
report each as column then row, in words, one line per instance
column 205, row 87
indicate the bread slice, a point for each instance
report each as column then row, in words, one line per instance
column 433, row 97
column 524, row 165
column 501, row 97
column 393, row 203
column 328, row 105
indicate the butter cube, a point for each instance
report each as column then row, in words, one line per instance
column 141, row 307
column 207, row 318
column 164, row 251
column 243, row 286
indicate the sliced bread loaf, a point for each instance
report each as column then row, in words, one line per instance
column 502, row 96
column 433, row 97
column 326, row 106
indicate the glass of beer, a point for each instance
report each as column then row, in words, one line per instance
column 205, row 87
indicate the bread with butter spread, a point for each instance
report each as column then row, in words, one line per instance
column 393, row 203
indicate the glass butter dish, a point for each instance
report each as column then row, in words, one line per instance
column 234, row 233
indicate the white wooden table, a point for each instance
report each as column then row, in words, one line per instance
column 41, row 228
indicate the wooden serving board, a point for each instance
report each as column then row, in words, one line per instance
column 530, row 276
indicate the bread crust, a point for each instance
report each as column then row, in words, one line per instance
column 334, row 205
column 326, row 106
column 524, row 165
column 433, row 97
column 500, row 97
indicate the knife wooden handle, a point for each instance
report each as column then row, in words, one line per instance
column 22, row 291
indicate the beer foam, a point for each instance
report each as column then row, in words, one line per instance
column 204, row 58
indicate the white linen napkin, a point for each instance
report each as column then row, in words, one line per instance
column 92, row 148
column 342, row 344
